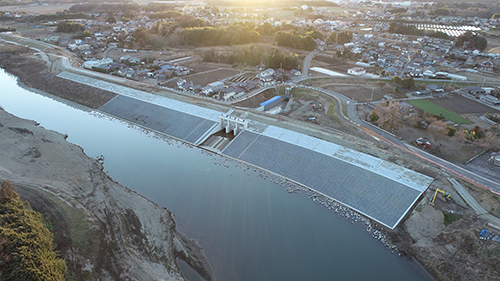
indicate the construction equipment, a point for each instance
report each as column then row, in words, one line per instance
column 443, row 193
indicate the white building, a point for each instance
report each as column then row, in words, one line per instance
column 97, row 63
column 356, row 71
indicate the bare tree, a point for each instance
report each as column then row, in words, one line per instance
column 437, row 129
column 489, row 141
column 391, row 115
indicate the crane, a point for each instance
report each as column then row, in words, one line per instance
column 443, row 193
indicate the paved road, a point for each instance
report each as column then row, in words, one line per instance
column 305, row 65
column 480, row 211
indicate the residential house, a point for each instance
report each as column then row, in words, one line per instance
column 473, row 90
column 487, row 66
column 435, row 88
column 491, row 99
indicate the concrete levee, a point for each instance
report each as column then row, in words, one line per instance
column 347, row 176
column 178, row 124
column 376, row 188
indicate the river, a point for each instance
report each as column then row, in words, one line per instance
column 251, row 228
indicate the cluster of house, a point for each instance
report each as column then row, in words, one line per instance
column 229, row 90
column 270, row 76
column 133, row 68
column 218, row 90
column 424, row 57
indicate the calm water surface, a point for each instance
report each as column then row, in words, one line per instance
column 251, row 229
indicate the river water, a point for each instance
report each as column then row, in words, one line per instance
column 251, row 228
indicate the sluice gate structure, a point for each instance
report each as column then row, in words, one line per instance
column 378, row 189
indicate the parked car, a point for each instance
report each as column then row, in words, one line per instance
column 424, row 142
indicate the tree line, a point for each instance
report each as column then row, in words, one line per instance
column 295, row 40
column 412, row 30
column 254, row 56
column 340, row 38
column 59, row 16
column 219, row 36
column 69, row 27
column 472, row 41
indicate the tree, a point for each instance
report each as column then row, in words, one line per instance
column 7, row 192
column 26, row 244
column 490, row 141
column 69, row 27
column 437, row 129
column 441, row 12
column 391, row 115
column 396, row 80
column 344, row 37
column 374, row 116
column 408, row 83
column 471, row 40
column 111, row 19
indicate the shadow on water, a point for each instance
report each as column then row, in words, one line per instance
column 189, row 273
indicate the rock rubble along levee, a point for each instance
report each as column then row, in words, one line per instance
column 103, row 230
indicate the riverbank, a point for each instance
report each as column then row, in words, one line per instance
column 435, row 253
column 102, row 229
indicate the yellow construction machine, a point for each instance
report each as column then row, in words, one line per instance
column 443, row 193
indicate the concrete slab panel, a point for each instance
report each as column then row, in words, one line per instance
column 327, row 148
column 368, row 161
column 346, row 154
column 415, row 180
column 308, row 142
column 390, row 170
column 273, row 132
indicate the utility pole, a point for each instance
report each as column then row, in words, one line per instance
column 371, row 98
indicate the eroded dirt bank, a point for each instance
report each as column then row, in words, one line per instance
column 103, row 230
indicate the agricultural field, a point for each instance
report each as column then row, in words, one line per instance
column 432, row 108
column 332, row 63
column 462, row 105
column 208, row 77
column 361, row 92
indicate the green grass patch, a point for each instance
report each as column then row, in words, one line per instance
column 450, row 218
column 436, row 109
column 331, row 111
column 343, row 105
column 419, row 208
column 303, row 93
